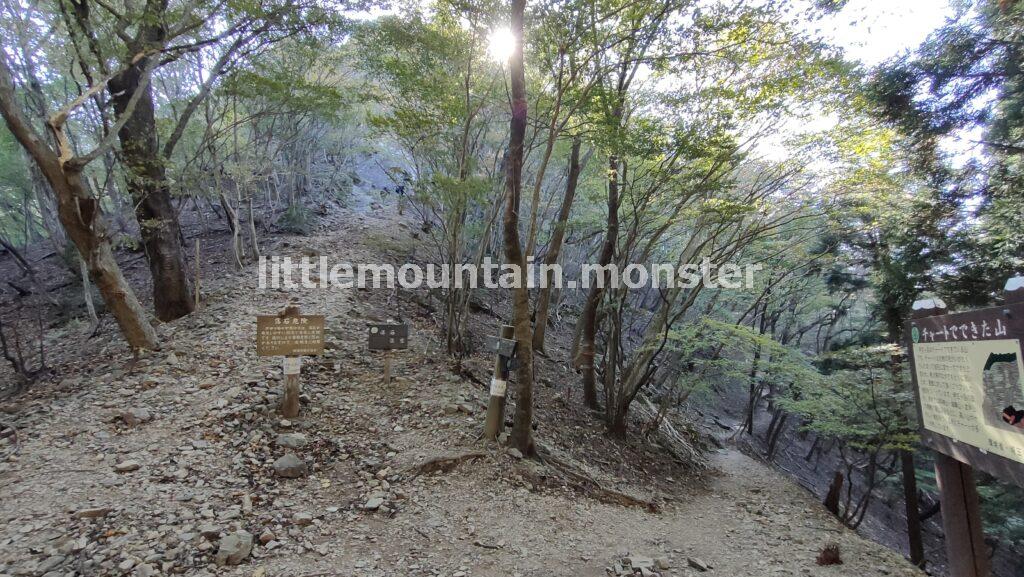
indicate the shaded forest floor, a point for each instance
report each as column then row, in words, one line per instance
column 151, row 466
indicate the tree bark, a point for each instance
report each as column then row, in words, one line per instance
column 589, row 318
column 522, row 427
column 81, row 218
column 150, row 193
column 831, row 501
column 557, row 237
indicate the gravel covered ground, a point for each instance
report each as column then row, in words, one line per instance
column 177, row 463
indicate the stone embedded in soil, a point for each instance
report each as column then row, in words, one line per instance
column 373, row 503
column 127, row 466
column 234, row 548
column 302, row 519
column 292, row 440
column 93, row 513
column 638, row 562
column 697, row 564
column 136, row 416
column 209, row 531
column 267, row 536
column 290, row 466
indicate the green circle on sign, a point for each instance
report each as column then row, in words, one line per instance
column 915, row 334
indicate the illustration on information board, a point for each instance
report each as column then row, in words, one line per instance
column 1004, row 392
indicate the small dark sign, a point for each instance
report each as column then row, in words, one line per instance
column 500, row 346
column 387, row 337
column 287, row 335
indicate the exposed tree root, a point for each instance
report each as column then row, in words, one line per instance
column 443, row 464
column 8, row 431
column 592, row 487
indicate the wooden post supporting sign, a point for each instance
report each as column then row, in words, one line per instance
column 290, row 335
column 968, row 377
column 504, row 348
column 388, row 337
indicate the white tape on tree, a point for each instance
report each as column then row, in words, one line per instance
column 498, row 387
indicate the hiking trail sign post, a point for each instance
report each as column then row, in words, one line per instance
column 388, row 337
column 968, row 374
column 291, row 335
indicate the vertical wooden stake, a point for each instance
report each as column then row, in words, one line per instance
column 499, row 384
column 961, row 518
column 292, row 390
column 292, row 386
column 197, row 274
column 387, row 368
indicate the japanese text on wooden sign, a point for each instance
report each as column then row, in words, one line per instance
column 969, row 379
column 289, row 335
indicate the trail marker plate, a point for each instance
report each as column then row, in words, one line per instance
column 388, row 337
column 500, row 346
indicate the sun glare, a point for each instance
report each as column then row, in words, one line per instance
column 501, row 44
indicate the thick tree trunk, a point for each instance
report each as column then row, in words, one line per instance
column 544, row 297
column 80, row 217
column 522, row 427
column 148, row 188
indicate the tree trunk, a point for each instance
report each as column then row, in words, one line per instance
column 544, row 297
column 81, row 218
column 753, row 390
column 522, row 427
column 589, row 318
column 913, row 512
column 831, row 501
column 148, row 188
column 254, row 243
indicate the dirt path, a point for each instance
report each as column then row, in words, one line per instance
column 91, row 494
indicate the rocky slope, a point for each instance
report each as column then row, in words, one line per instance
column 177, row 462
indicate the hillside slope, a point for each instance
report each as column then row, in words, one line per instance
column 152, row 466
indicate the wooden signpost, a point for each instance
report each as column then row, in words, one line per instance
column 291, row 335
column 388, row 337
column 504, row 349
column 968, row 375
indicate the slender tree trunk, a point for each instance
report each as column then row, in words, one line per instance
column 544, row 297
column 150, row 193
column 236, row 239
column 254, row 242
column 753, row 392
column 913, row 512
column 522, row 427
column 589, row 319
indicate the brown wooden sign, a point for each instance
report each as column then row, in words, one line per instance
column 289, row 335
column 968, row 374
column 388, row 337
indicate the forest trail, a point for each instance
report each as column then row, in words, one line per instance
column 149, row 467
